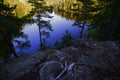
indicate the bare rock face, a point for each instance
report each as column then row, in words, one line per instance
column 20, row 66
column 89, row 60
column 109, row 44
column 93, row 60
column 50, row 70
column 84, row 60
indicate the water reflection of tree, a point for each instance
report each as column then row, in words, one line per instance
column 9, row 29
column 44, row 29
column 64, row 5
column 40, row 9
column 79, row 10
column 22, row 7
column 85, row 16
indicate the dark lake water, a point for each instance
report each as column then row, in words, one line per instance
column 59, row 26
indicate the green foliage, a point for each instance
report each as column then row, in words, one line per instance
column 4, row 50
column 40, row 9
column 92, row 32
column 9, row 29
column 57, row 45
column 43, row 47
column 107, row 20
column 22, row 7
column 66, row 41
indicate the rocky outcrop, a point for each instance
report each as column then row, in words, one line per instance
column 50, row 70
column 20, row 66
column 85, row 59
column 90, row 60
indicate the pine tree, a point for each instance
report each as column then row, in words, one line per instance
column 107, row 20
column 9, row 29
column 40, row 9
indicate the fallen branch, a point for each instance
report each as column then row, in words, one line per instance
column 64, row 70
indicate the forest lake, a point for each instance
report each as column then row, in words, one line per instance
column 59, row 26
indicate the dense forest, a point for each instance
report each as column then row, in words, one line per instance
column 23, row 7
column 103, row 16
column 10, row 28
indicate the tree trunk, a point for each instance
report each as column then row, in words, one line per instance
column 81, row 33
column 41, row 43
column 12, row 50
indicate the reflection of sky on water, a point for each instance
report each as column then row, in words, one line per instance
column 59, row 26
